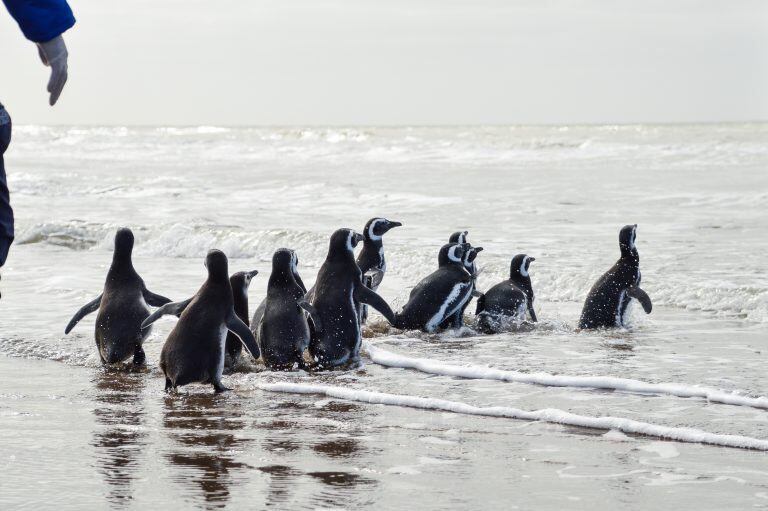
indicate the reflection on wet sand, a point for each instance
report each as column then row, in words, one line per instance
column 282, row 484
column 318, row 435
column 203, row 427
column 120, row 439
column 338, row 448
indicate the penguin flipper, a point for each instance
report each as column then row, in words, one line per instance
column 240, row 329
column 642, row 297
column 175, row 308
column 154, row 299
column 258, row 316
column 300, row 282
column 373, row 278
column 86, row 309
column 313, row 315
column 532, row 313
column 365, row 295
column 310, row 295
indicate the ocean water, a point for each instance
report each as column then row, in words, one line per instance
column 429, row 421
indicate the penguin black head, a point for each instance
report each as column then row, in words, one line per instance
column 343, row 242
column 452, row 253
column 242, row 279
column 627, row 237
column 471, row 254
column 518, row 269
column 123, row 243
column 377, row 227
column 458, row 237
column 217, row 264
column 284, row 261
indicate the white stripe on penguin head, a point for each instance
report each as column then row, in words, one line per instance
column 452, row 254
column 467, row 255
column 633, row 238
column 294, row 262
column 371, row 235
column 523, row 269
column 350, row 245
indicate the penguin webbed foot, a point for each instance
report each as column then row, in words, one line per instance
column 139, row 357
column 218, row 387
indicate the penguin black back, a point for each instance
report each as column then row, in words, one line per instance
column 338, row 293
column 607, row 301
column 509, row 299
column 284, row 331
column 122, row 307
column 195, row 349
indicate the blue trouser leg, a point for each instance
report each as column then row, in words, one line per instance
column 6, row 212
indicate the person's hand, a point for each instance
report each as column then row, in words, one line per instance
column 53, row 53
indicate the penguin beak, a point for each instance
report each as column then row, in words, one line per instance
column 478, row 249
column 357, row 238
column 394, row 224
column 531, row 259
column 253, row 273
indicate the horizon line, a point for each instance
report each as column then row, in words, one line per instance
column 389, row 125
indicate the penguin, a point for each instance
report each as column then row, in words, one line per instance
column 283, row 331
column 468, row 260
column 122, row 306
column 371, row 259
column 339, row 291
column 509, row 299
column 459, row 237
column 440, row 295
column 195, row 349
column 607, row 302
column 240, row 282
column 259, row 312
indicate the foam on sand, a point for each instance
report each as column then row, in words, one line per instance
column 551, row 415
column 389, row 359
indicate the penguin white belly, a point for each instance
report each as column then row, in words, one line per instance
column 222, row 347
column 521, row 309
column 358, row 337
column 451, row 299
column 621, row 310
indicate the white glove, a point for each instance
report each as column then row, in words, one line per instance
column 53, row 53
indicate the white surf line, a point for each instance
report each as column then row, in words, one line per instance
column 389, row 359
column 551, row 415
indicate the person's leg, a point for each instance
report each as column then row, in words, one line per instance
column 6, row 213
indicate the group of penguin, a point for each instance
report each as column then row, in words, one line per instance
column 322, row 328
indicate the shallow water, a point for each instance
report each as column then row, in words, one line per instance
column 77, row 436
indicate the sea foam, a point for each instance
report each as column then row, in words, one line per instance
column 551, row 415
column 389, row 359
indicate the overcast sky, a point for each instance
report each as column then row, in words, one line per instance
column 411, row 62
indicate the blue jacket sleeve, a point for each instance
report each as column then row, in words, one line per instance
column 41, row 20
